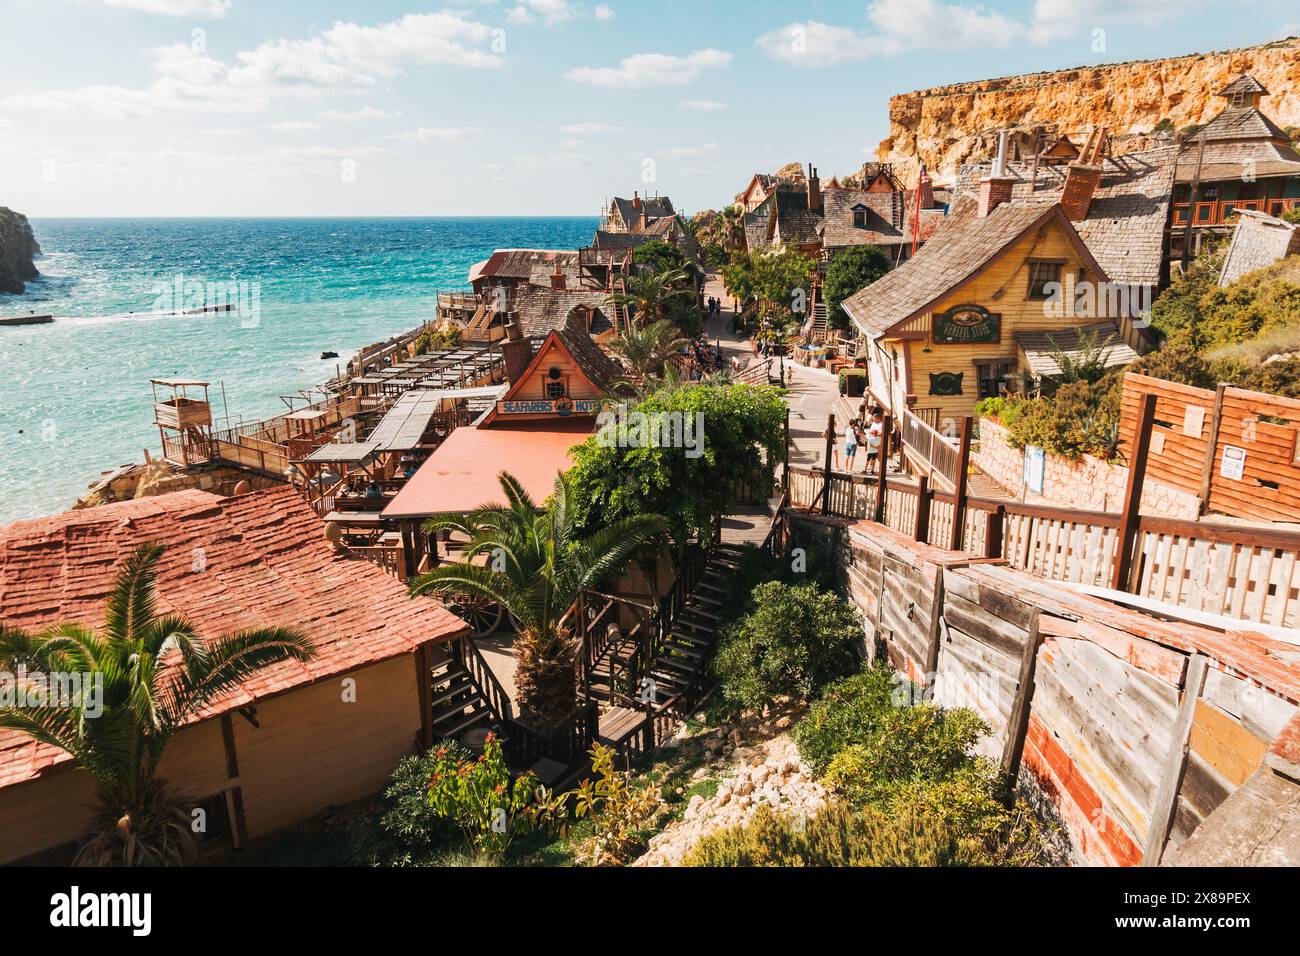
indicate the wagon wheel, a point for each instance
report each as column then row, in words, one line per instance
column 481, row 614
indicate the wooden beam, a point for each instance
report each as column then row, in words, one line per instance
column 424, row 692
column 959, row 496
column 882, row 488
column 232, row 771
column 1130, row 517
column 936, row 631
column 923, row 498
column 1211, row 448
column 1171, row 776
column 994, row 521
column 826, row 467
column 1018, row 724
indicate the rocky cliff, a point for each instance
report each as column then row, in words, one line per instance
column 950, row 125
column 17, row 249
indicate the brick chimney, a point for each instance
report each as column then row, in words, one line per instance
column 1081, row 183
column 636, row 200
column 558, row 280
column 516, row 350
column 995, row 189
column 814, row 190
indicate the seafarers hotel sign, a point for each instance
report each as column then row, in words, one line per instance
column 547, row 406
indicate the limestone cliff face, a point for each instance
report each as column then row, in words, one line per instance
column 950, row 125
column 17, row 249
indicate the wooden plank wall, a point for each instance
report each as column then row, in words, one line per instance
column 1102, row 740
column 1266, row 426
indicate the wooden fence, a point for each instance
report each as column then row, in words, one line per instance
column 1237, row 450
column 1247, row 573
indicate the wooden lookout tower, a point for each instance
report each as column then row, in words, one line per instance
column 184, row 420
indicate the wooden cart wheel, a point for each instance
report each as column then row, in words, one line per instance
column 482, row 615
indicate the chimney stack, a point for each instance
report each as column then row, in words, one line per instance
column 814, row 190
column 516, row 350
column 636, row 200
column 1081, row 182
column 558, row 280
column 995, row 189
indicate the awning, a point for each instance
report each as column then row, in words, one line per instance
column 342, row 453
column 1041, row 346
column 462, row 473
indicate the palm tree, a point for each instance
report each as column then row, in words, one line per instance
column 131, row 704
column 650, row 294
column 733, row 228
column 536, row 566
column 645, row 347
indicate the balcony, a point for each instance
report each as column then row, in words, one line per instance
column 1222, row 212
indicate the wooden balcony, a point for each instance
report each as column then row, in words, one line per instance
column 1223, row 212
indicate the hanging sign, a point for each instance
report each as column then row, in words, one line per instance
column 1193, row 421
column 945, row 383
column 967, row 323
column 1234, row 462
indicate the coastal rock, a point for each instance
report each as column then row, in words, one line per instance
column 947, row 126
column 18, row 249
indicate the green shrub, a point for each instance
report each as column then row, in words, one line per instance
column 418, row 831
column 859, row 375
column 849, row 712
column 796, row 640
column 620, row 814
column 837, row 836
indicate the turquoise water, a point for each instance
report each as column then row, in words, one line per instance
column 74, row 395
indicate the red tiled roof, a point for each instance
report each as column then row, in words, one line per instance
column 266, row 563
column 462, row 473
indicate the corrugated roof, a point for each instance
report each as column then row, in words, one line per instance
column 265, row 564
column 1041, row 346
column 406, row 422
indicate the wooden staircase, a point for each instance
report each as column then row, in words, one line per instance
column 458, row 703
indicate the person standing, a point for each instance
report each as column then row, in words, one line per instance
column 875, row 432
column 851, row 444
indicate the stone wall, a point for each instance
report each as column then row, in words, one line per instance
column 1088, row 484
column 160, row 478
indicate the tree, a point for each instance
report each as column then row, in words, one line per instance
column 694, row 483
column 150, row 674
column 651, row 295
column 733, row 228
column 851, row 270
column 659, row 255
column 645, row 347
column 536, row 564
column 771, row 277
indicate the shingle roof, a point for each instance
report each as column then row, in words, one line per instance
column 1224, row 160
column 1241, row 122
column 653, row 207
column 540, row 309
column 1125, row 226
column 1244, row 84
column 265, row 563
column 953, row 255
column 838, row 230
column 757, row 223
column 603, row 370
column 795, row 222
column 1041, row 346
column 520, row 263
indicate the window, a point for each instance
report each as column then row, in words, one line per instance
column 859, row 219
column 556, row 389
column 1238, row 98
column 992, row 374
column 1040, row 274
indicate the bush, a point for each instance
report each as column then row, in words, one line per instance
column 420, row 832
column 837, row 836
column 849, row 712
column 851, row 271
column 434, row 338
column 795, row 641
column 620, row 814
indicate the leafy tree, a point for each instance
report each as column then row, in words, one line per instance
column 660, row 255
column 771, row 277
column 156, row 673
column 742, row 439
column 651, row 296
column 850, row 271
column 645, row 347
column 536, row 564
column 795, row 641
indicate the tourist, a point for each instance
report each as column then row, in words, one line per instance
column 875, row 431
column 850, row 444
column 373, row 491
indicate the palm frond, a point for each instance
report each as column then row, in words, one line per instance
column 131, row 602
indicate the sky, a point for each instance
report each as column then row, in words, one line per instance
column 507, row 107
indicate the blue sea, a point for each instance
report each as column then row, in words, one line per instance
column 74, row 395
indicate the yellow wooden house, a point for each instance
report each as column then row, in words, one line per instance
column 983, row 308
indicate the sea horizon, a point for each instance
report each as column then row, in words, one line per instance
column 76, row 392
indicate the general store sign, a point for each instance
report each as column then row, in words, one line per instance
column 543, row 406
column 967, row 323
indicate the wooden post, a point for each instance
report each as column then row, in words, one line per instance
column 1171, row 776
column 424, row 692
column 785, row 477
column 232, row 772
column 886, row 427
column 1211, row 448
column 994, row 522
column 1130, row 517
column 936, row 631
column 1192, row 197
column 1018, row 725
column 826, row 469
column 923, row 498
column 959, row 495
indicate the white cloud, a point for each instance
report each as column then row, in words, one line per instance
column 1054, row 19
column 205, row 9
column 347, row 56
column 293, row 126
column 548, row 11
column 812, row 43
column 446, row 134
column 929, row 24
column 704, row 106
column 652, row 69
column 681, row 152
column 352, row 116
column 604, row 11
column 590, row 128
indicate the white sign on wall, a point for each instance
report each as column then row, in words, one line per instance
column 1234, row 462
column 1034, row 461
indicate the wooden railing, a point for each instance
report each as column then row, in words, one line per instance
column 567, row 744
column 1247, row 573
column 756, row 374
column 1221, row 212
column 466, row 653
column 939, row 456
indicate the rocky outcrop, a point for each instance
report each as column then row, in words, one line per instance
column 18, row 248
column 950, row 125
column 160, row 477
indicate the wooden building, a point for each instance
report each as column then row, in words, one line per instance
column 294, row 739
column 957, row 322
